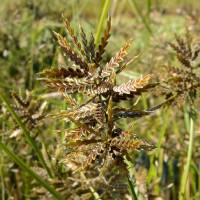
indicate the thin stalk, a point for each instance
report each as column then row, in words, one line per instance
column 2, row 180
column 103, row 17
column 149, row 5
column 26, row 168
column 92, row 190
column 131, row 180
column 26, row 133
column 188, row 162
column 132, row 189
column 138, row 10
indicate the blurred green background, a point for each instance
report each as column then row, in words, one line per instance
column 27, row 46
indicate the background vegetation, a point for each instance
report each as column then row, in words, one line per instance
column 32, row 154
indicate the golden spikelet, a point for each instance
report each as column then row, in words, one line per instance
column 115, row 61
column 91, row 48
column 184, row 51
column 109, row 113
column 71, row 53
column 71, row 101
column 86, row 112
column 31, row 111
column 20, row 101
column 85, row 45
column 96, row 153
column 98, row 89
column 129, row 144
column 77, row 134
column 132, row 85
column 62, row 72
column 104, row 42
column 71, row 32
column 72, row 85
column 97, row 136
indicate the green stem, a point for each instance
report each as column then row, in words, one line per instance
column 92, row 190
column 132, row 189
column 26, row 133
column 2, row 179
column 102, row 19
column 149, row 5
column 188, row 162
column 25, row 167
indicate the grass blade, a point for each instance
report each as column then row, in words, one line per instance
column 188, row 162
column 26, row 133
column 26, row 168
column 131, row 180
column 132, row 190
column 102, row 19
column 94, row 193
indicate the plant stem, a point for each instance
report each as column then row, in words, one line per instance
column 149, row 5
column 2, row 179
column 94, row 193
column 132, row 189
column 188, row 162
column 26, row 133
column 25, row 167
column 102, row 19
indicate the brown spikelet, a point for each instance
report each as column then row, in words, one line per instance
column 126, row 144
column 98, row 89
column 97, row 138
column 77, row 134
column 62, row 72
column 85, row 145
column 85, row 45
column 71, row 32
column 118, row 97
column 189, row 43
column 71, row 53
column 132, row 85
column 96, row 153
column 71, row 101
column 185, row 61
column 184, row 79
column 69, row 85
column 85, row 154
column 91, row 48
column 115, row 61
column 183, row 49
column 85, row 112
column 19, row 101
column 72, row 85
column 31, row 112
column 104, row 42
column 110, row 114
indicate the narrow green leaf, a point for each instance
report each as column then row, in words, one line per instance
column 188, row 162
column 26, row 133
column 102, row 19
column 26, row 168
column 132, row 190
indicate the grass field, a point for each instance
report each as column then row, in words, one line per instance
column 34, row 161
